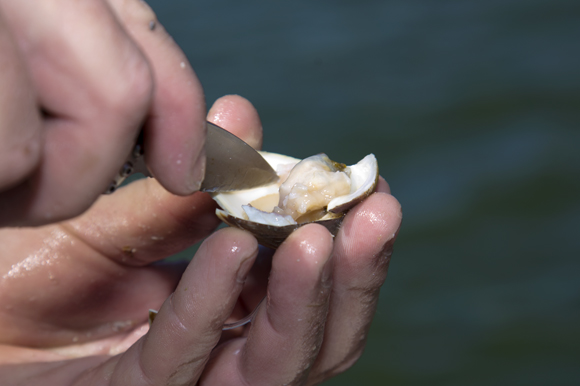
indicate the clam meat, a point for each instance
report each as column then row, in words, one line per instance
column 315, row 189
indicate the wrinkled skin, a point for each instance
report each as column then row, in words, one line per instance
column 74, row 295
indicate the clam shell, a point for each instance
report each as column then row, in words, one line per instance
column 364, row 177
column 272, row 236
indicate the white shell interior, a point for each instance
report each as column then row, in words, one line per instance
column 362, row 175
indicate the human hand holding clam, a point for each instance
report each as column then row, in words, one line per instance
column 76, row 309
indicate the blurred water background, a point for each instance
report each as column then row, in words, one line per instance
column 472, row 109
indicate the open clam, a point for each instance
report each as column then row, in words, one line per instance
column 315, row 189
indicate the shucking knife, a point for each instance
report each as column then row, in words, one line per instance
column 231, row 164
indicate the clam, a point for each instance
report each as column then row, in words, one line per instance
column 315, row 189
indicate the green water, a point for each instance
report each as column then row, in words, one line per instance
column 472, row 108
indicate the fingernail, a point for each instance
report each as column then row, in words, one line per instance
column 197, row 172
column 244, row 268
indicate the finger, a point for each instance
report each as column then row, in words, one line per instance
column 151, row 223
column 236, row 111
column 254, row 291
column 383, row 186
column 286, row 334
column 20, row 125
column 257, row 281
column 95, row 85
column 148, row 224
column 361, row 256
column 255, row 288
column 175, row 128
column 189, row 323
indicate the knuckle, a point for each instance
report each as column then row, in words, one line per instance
column 186, row 325
column 20, row 121
column 131, row 90
column 18, row 160
column 216, row 321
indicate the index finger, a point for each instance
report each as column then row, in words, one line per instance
column 175, row 127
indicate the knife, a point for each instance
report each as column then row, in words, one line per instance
column 231, row 164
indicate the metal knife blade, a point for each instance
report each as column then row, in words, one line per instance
column 231, row 164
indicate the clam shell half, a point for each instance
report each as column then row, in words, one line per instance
column 363, row 177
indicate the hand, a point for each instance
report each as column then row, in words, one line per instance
column 75, row 295
column 78, row 81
